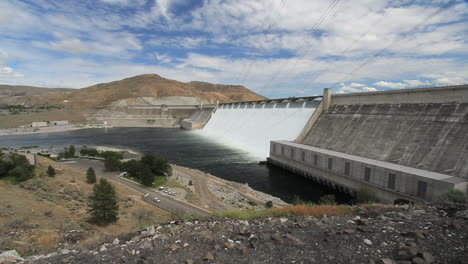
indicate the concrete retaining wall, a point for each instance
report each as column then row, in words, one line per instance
column 198, row 120
column 142, row 122
column 144, row 116
column 353, row 172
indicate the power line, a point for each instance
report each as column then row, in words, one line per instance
column 370, row 29
column 398, row 40
column 303, row 41
column 258, row 48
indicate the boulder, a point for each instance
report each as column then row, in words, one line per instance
column 10, row 256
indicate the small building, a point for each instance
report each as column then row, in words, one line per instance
column 39, row 124
column 58, row 123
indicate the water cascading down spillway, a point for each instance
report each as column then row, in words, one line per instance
column 251, row 127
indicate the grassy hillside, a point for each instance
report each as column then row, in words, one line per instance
column 42, row 212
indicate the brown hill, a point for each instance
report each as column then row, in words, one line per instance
column 83, row 102
column 153, row 85
column 147, row 85
column 19, row 94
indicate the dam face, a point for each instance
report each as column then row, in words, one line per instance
column 430, row 136
column 406, row 144
column 252, row 126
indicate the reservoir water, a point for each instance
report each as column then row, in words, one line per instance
column 189, row 149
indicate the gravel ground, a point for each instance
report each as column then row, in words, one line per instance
column 425, row 235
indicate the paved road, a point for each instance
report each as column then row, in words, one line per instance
column 167, row 203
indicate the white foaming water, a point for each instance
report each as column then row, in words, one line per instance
column 252, row 127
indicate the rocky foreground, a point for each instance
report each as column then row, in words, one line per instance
column 378, row 234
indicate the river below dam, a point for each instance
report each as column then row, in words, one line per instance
column 190, row 149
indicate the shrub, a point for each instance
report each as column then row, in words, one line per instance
column 366, row 195
column 90, row 176
column 108, row 153
column 20, row 174
column 328, row 199
column 269, row 204
column 157, row 163
column 92, row 152
column 17, row 168
column 454, row 196
column 147, row 177
column 51, row 171
column 249, row 214
column 297, row 200
column 111, row 163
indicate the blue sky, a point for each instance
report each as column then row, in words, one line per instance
column 274, row 47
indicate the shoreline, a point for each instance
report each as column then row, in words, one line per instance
column 211, row 190
column 17, row 131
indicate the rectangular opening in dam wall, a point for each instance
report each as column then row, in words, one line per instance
column 389, row 181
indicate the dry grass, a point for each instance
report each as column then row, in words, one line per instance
column 299, row 210
column 47, row 241
column 318, row 210
column 49, row 211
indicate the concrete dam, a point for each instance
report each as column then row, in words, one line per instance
column 168, row 111
column 252, row 125
column 402, row 144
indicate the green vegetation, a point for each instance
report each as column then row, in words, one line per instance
column 148, row 171
column 15, row 168
column 92, row 152
column 29, row 147
column 51, row 171
column 90, row 176
column 297, row 200
column 103, row 205
column 366, row 195
column 249, row 214
column 269, row 204
column 328, row 199
column 112, row 163
column 68, row 153
column 454, row 196
column 17, row 109
column 111, row 154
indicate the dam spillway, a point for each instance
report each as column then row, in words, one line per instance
column 251, row 127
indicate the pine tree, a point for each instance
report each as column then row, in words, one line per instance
column 103, row 205
column 147, row 177
column 71, row 151
column 51, row 171
column 90, row 176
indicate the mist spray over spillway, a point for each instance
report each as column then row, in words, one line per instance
column 251, row 127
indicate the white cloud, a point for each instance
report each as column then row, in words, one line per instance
column 394, row 85
column 70, row 45
column 435, row 55
column 414, row 83
column 8, row 72
column 354, row 88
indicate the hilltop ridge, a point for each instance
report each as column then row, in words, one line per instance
column 79, row 104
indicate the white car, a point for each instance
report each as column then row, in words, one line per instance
column 161, row 188
column 146, row 195
column 156, row 199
